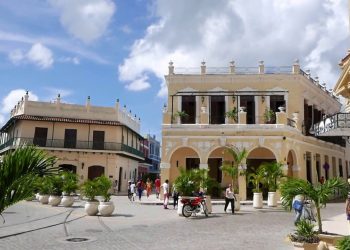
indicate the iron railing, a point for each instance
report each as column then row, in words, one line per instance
column 73, row 144
column 339, row 120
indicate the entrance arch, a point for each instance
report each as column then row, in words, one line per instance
column 291, row 162
column 95, row 171
column 183, row 157
column 255, row 158
column 68, row 167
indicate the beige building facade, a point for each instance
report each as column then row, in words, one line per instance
column 88, row 140
column 196, row 129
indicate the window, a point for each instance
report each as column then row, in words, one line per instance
column 98, row 140
column 189, row 107
column 248, row 102
column 192, row 163
column 40, row 137
column 70, row 138
column 276, row 101
column 217, row 110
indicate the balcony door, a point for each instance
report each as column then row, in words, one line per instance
column 40, row 137
column 98, row 140
column 277, row 101
column 248, row 102
column 188, row 105
column 217, row 110
column 70, row 138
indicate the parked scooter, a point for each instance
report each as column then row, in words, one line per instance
column 193, row 205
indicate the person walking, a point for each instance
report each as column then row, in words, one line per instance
column 175, row 195
column 132, row 191
column 139, row 188
column 298, row 205
column 166, row 193
column 148, row 187
column 229, row 198
column 347, row 209
column 157, row 185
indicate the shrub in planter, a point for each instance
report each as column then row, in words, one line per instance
column 269, row 116
column 256, row 179
column 90, row 190
column 344, row 244
column 106, row 207
column 70, row 185
column 43, row 185
column 55, row 190
column 305, row 235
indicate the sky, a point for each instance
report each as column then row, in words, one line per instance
column 110, row 49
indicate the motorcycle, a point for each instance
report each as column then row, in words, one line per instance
column 193, row 205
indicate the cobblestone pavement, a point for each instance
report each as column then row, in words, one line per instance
column 30, row 225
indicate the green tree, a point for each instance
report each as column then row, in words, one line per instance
column 232, row 168
column 18, row 172
column 319, row 193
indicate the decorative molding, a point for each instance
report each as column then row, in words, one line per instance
column 185, row 141
column 164, row 165
column 222, row 140
column 203, row 146
column 261, row 141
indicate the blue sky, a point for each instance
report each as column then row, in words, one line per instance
column 110, row 49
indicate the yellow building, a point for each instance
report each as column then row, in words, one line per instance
column 196, row 129
column 88, row 140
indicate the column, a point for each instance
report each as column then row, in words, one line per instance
column 242, row 182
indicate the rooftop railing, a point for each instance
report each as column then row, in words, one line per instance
column 71, row 144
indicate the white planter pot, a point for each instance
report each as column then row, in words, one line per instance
column 106, row 208
column 281, row 109
column 257, row 200
column 179, row 206
column 37, row 196
column 67, row 201
column 241, row 109
column 271, row 199
column 54, row 200
column 44, row 199
column 237, row 203
column 91, row 207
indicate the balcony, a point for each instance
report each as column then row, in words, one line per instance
column 60, row 143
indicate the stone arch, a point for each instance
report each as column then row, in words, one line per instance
column 173, row 150
column 183, row 157
column 68, row 167
column 95, row 171
column 292, row 162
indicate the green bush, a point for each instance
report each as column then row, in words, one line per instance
column 90, row 189
column 70, row 182
column 43, row 185
column 344, row 244
column 305, row 233
column 104, row 184
column 55, row 185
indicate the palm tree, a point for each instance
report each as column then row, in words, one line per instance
column 318, row 193
column 231, row 169
column 273, row 172
column 18, row 172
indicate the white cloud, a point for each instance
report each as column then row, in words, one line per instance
column 86, row 20
column 247, row 31
column 38, row 55
column 74, row 60
column 10, row 100
column 139, row 84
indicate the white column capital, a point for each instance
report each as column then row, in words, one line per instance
column 203, row 166
column 164, row 165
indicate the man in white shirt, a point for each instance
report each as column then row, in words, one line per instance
column 132, row 191
column 166, row 193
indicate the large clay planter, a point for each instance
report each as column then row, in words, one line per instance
column 271, row 199
column 106, row 208
column 44, row 199
column 91, row 208
column 257, row 200
column 330, row 239
column 237, row 202
column 305, row 246
column 54, row 200
column 67, row 201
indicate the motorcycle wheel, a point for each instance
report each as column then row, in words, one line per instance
column 186, row 210
column 205, row 209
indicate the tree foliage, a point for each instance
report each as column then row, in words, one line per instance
column 18, row 172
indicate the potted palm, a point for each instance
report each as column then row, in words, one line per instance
column 256, row 179
column 44, row 189
column 231, row 169
column 273, row 173
column 89, row 190
column 269, row 116
column 181, row 114
column 55, row 190
column 319, row 194
column 232, row 114
column 305, row 237
column 70, row 184
column 106, row 207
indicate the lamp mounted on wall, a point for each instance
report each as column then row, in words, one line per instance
column 233, row 99
column 263, row 99
column 202, row 99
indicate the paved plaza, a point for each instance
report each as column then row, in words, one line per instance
column 30, row 225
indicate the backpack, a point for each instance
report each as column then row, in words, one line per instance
column 297, row 205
